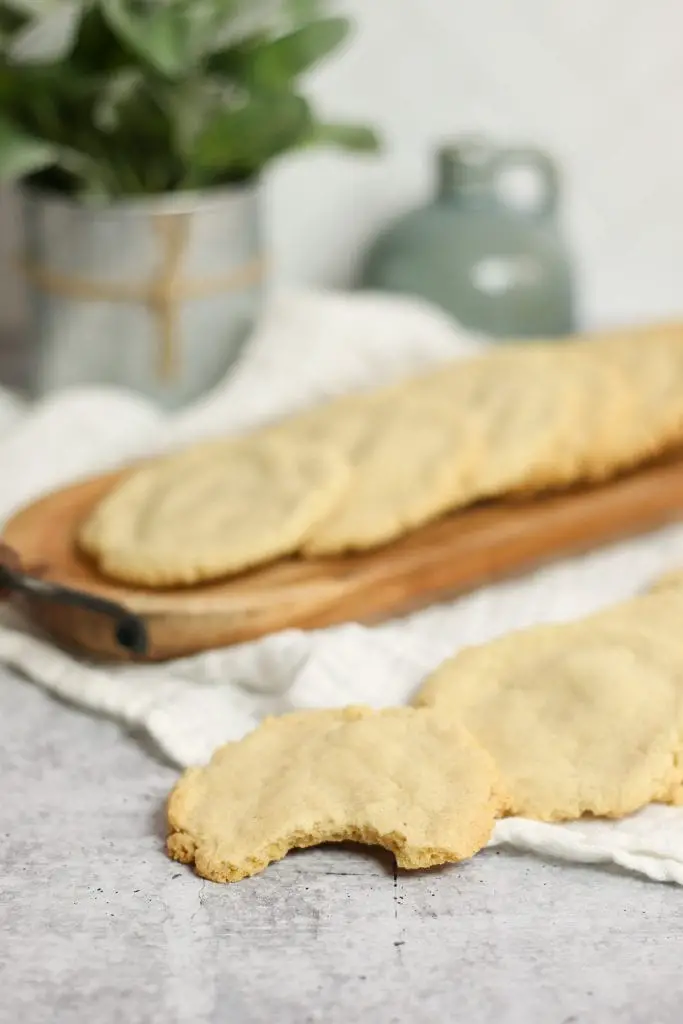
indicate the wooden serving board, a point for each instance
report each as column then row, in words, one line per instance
column 450, row 556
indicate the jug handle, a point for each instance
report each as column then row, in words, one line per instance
column 545, row 170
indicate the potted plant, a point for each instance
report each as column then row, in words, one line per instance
column 138, row 130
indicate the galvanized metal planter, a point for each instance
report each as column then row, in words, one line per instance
column 156, row 295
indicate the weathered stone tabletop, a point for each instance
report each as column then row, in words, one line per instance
column 97, row 926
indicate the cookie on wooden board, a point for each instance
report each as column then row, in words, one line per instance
column 542, row 412
column 523, row 418
column 398, row 778
column 214, row 510
column 365, row 469
column 414, row 466
column 650, row 360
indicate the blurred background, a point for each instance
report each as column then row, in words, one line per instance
column 596, row 83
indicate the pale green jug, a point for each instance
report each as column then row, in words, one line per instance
column 495, row 266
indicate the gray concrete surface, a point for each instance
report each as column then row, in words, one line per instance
column 97, row 926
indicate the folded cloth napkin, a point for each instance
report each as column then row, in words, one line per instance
column 309, row 346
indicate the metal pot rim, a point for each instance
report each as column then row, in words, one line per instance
column 166, row 202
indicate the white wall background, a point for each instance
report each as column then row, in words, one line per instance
column 597, row 82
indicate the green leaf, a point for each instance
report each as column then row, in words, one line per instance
column 48, row 36
column 11, row 21
column 28, row 7
column 97, row 48
column 241, row 141
column 302, row 11
column 117, row 92
column 162, row 38
column 22, row 154
column 358, row 138
column 284, row 59
column 147, row 96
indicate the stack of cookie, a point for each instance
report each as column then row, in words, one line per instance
column 363, row 470
column 550, row 723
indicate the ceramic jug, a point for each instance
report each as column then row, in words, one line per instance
column 496, row 266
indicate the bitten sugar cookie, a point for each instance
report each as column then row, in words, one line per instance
column 580, row 718
column 399, row 778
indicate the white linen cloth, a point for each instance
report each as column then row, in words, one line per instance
column 306, row 347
